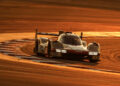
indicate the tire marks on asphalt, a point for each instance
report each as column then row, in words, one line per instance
column 12, row 48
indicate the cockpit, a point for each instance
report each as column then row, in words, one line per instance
column 70, row 39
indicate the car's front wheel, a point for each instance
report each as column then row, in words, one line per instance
column 94, row 58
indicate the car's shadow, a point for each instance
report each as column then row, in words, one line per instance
column 71, row 60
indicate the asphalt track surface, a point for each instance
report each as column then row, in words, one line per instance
column 109, row 61
column 20, row 67
column 58, row 71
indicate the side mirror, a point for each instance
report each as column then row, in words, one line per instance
column 61, row 32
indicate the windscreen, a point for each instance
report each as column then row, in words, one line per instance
column 71, row 39
column 44, row 40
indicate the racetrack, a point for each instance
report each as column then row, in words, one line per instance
column 110, row 56
column 20, row 67
column 109, row 61
column 28, row 65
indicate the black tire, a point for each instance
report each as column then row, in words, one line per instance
column 36, row 48
column 36, row 52
column 49, row 50
column 94, row 59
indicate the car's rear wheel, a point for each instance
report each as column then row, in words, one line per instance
column 36, row 48
column 35, row 51
column 49, row 52
column 94, row 58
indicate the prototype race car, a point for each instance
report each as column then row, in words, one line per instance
column 66, row 44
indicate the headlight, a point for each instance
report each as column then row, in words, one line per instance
column 64, row 51
column 93, row 53
column 58, row 50
column 61, row 51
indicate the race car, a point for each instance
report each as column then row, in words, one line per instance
column 66, row 44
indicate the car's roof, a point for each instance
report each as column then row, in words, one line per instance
column 69, row 34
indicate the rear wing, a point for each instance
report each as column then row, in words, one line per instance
column 43, row 33
column 53, row 34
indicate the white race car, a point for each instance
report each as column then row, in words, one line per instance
column 66, row 44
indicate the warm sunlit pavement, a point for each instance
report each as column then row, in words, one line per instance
column 99, row 20
column 19, row 72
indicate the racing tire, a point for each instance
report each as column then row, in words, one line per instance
column 36, row 52
column 49, row 52
column 94, row 59
column 36, row 48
